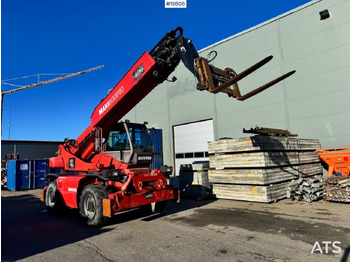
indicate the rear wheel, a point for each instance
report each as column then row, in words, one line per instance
column 54, row 201
column 91, row 206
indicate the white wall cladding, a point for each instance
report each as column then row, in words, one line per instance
column 312, row 103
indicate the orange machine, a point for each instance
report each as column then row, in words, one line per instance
column 336, row 160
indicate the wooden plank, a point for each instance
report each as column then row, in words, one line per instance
column 262, row 159
column 263, row 176
column 262, row 143
column 265, row 194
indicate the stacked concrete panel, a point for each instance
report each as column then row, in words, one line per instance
column 258, row 168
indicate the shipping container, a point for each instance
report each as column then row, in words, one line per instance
column 28, row 174
column 157, row 161
column 19, row 175
column 157, row 140
column 40, row 169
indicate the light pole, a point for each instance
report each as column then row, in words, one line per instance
column 9, row 132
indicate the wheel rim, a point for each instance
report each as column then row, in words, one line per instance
column 90, row 206
column 51, row 198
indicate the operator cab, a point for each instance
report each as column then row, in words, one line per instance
column 129, row 143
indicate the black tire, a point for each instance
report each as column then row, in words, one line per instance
column 91, row 206
column 54, row 201
column 154, row 208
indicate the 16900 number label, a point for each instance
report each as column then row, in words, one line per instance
column 175, row 4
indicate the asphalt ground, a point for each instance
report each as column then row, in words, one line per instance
column 208, row 230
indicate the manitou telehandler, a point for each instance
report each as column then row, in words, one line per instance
column 106, row 169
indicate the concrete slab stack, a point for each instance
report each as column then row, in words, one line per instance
column 258, row 168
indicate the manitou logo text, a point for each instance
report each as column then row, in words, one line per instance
column 111, row 100
column 147, row 158
column 136, row 75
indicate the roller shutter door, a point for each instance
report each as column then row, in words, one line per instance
column 191, row 142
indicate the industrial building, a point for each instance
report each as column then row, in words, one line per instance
column 312, row 39
column 29, row 149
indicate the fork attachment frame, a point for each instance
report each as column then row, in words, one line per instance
column 216, row 80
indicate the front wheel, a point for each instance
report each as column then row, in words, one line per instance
column 54, row 202
column 91, row 206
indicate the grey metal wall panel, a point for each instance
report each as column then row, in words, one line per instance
column 311, row 103
column 29, row 149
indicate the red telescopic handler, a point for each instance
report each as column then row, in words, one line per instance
column 106, row 169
